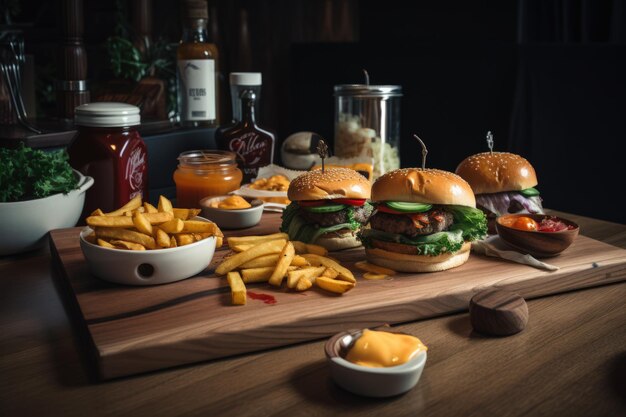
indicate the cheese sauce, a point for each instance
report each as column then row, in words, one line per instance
column 232, row 203
column 383, row 349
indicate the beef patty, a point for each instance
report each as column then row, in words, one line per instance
column 432, row 221
column 361, row 215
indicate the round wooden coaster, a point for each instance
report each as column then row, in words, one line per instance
column 498, row 312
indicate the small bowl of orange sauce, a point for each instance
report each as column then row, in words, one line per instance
column 539, row 235
column 232, row 211
column 375, row 363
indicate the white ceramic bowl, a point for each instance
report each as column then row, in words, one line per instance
column 25, row 224
column 232, row 219
column 149, row 267
column 368, row 381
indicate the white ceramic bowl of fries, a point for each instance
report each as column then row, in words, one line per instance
column 147, row 267
column 25, row 224
column 139, row 244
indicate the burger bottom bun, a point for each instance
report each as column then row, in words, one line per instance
column 333, row 243
column 418, row 263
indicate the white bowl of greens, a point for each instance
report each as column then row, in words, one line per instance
column 39, row 192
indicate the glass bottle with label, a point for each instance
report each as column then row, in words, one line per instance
column 197, row 68
column 240, row 81
column 108, row 148
column 253, row 145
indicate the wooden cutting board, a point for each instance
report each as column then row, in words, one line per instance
column 138, row 329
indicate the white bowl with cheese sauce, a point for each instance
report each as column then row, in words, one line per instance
column 367, row 380
column 239, row 218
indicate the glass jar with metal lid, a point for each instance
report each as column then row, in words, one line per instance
column 367, row 124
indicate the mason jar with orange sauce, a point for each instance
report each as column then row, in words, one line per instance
column 205, row 173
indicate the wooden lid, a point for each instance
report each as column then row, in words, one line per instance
column 498, row 312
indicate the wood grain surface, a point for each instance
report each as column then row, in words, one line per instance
column 498, row 312
column 569, row 361
column 133, row 330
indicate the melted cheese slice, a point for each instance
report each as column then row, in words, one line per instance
column 383, row 349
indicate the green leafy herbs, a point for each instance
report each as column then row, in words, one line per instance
column 27, row 174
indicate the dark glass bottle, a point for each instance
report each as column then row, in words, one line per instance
column 253, row 145
column 197, row 69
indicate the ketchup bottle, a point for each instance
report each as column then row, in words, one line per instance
column 108, row 148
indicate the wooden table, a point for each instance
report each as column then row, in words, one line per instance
column 570, row 360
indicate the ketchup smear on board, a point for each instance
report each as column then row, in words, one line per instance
column 266, row 298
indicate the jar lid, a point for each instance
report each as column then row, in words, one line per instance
column 366, row 90
column 245, row 78
column 107, row 114
column 207, row 156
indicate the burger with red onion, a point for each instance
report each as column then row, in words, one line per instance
column 424, row 221
column 328, row 207
column 503, row 183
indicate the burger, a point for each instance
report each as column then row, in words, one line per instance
column 424, row 221
column 503, row 183
column 328, row 208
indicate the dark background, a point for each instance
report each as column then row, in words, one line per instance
column 548, row 78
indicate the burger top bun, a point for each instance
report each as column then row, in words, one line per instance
column 496, row 172
column 430, row 186
column 329, row 184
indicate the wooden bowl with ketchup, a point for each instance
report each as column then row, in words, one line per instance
column 539, row 235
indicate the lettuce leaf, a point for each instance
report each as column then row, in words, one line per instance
column 471, row 221
column 433, row 245
column 298, row 229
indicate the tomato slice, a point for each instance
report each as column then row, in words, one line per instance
column 350, row 201
column 385, row 209
column 311, row 203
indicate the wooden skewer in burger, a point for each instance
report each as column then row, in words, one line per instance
column 424, row 220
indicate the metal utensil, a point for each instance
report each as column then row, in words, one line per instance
column 12, row 59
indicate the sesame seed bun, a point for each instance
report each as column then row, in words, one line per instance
column 329, row 184
column 497, row 172
column 429, row 186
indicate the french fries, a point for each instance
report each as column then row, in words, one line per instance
column 272, row 258
column 173, row 226
column 310, row 274
column 334, row 285
column 185, row 214
column 262, row 274
column 266, row 248
column 253, row 240
column 139, row 226
column 142, row 224
column 343, row 273
column 109, row 233
column 302, row 247
column 284, row 261
column 165, row 205
column 130, row 206
column 237, row 288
